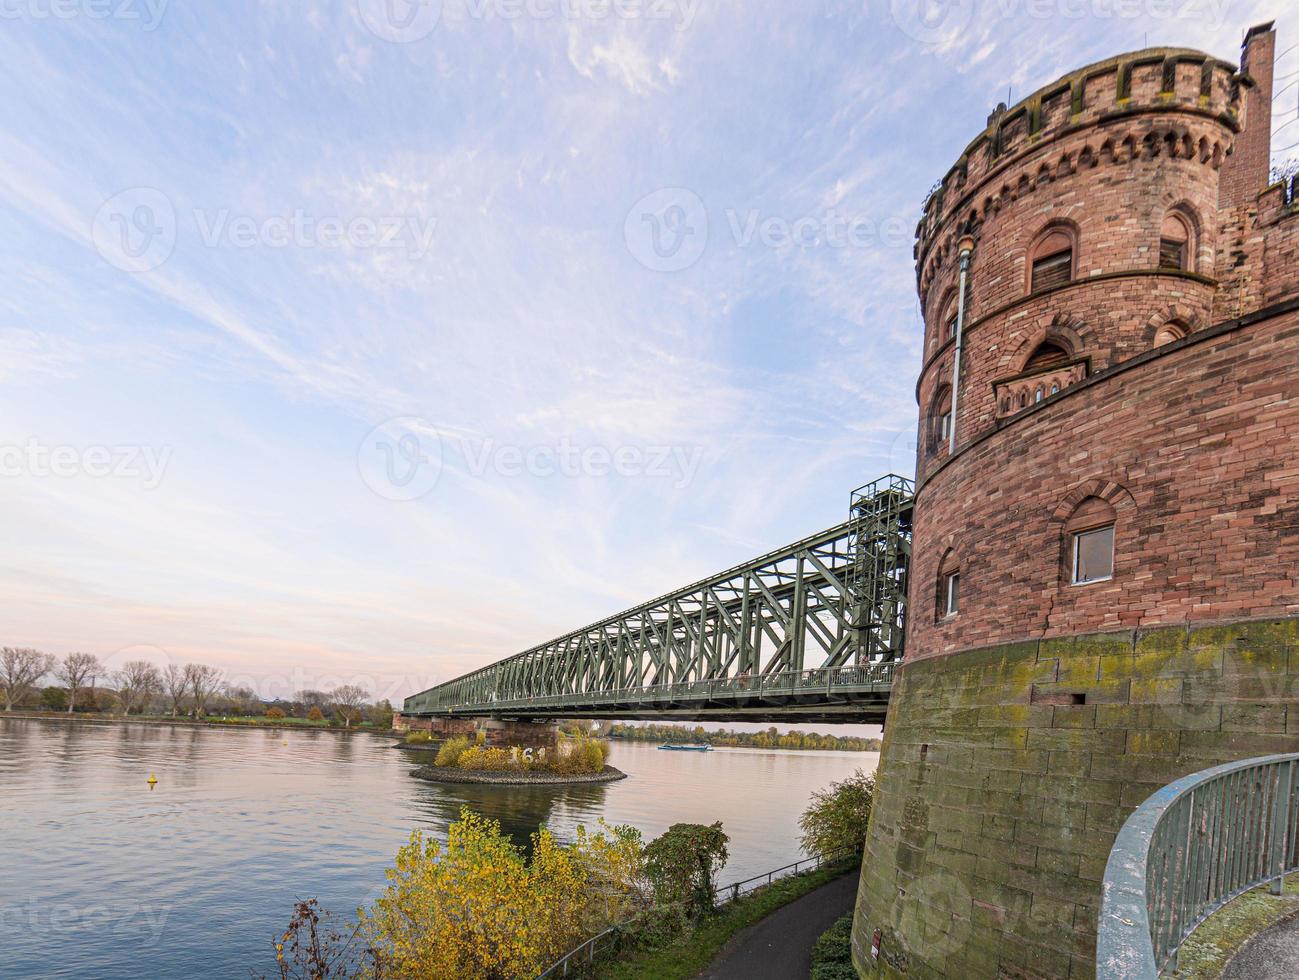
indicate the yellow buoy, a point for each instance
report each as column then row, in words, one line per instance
column 153, row 780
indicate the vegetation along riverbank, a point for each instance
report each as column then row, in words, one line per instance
column 481, row 907
column 576, row 759
column 767, row 739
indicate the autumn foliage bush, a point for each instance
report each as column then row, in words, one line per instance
column 274, row 714
column 577, row 756
column 451, row 751
column 479, row 907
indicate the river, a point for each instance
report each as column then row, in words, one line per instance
column 102, row 876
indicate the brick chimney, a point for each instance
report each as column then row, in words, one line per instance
column 1246, row 171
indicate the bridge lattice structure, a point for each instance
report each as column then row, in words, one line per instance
column 812, row 631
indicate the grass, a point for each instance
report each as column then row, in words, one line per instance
column 1207, row 950
column 686, row 959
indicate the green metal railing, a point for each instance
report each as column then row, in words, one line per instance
column 1191, row 848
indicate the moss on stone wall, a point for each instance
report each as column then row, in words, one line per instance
column 1007, row 772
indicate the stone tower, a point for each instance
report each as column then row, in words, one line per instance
column 1106, row 537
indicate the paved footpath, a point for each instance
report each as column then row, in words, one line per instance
column 1272, row 953
column 780, row 946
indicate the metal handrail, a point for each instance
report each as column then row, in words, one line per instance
column 1187, row 851
column 587, row 951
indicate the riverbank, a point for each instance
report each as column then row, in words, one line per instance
column 700, row 947
column 451, row 774
column 261, row 724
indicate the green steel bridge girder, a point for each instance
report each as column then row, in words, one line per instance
column 808, row 632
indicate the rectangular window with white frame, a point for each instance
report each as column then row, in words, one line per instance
column 1093, row 555
column 952, row 594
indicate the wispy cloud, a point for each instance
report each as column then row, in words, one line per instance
column 507, row 309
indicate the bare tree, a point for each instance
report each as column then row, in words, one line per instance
column 137, row 681
column 20, row 669
column 175, row 680
column 348, row 699
column 73, row 671
column 203, row 680
column 309, row 699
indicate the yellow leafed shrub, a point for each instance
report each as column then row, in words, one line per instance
column 476, row 908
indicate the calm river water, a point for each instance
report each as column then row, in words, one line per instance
column 102, row 877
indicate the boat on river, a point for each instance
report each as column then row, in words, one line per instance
column 672, row 747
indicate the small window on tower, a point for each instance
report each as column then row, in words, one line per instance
column 1052, row 261
column 1052, row 270
column 952, row 594
column 1174, row 243
column 1093, row 555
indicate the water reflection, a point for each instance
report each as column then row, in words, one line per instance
column 242, row 823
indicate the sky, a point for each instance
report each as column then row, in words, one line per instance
column 371, row 341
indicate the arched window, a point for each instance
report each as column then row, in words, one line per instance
column 1169, row 332
column 1048, row 354
column 1089, row 539
column 1051, row 260
column 947, row 325
column 1175, row 242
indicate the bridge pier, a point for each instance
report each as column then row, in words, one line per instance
column 495, row 732
column 437, row 727
column 523, row 734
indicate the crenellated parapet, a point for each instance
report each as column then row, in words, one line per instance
column 1196, row 97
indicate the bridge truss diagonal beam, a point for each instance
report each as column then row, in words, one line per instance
column 809, row 627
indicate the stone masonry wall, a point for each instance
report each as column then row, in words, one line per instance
column 1007, row 772
column 1197, row 449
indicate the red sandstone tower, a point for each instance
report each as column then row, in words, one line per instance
column 1106, row 531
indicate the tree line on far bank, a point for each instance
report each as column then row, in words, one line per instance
column 84, row 684
column 768, row 739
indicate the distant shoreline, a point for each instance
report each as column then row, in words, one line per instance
column 253, row 724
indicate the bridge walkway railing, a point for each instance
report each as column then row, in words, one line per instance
column 819, row 680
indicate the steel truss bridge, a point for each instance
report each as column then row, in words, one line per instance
column 810, row 632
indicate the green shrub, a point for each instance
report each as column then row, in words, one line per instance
column 450, row 753
column 54, row 699
column 837, row 818
column 683, row 863
column 832, row 954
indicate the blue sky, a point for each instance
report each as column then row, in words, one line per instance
column 335, row 346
